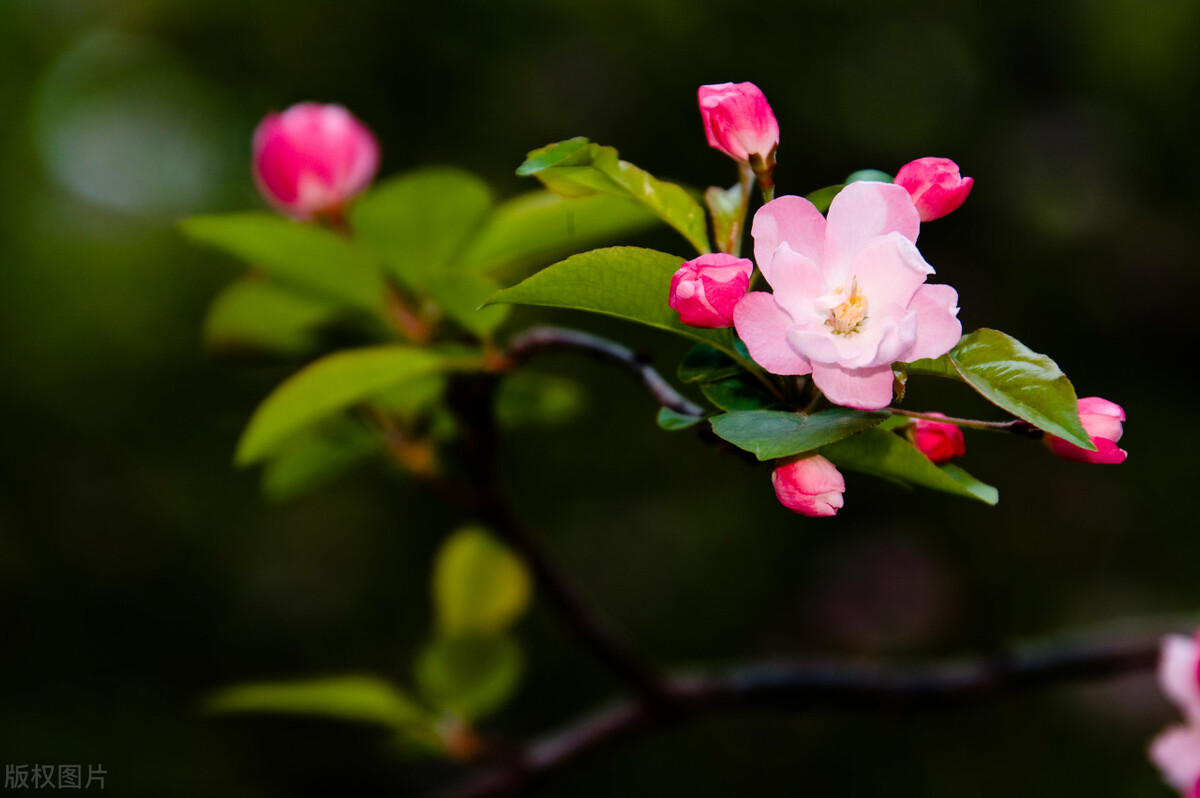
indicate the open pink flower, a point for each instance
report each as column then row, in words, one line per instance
column 313, row 158
column 850, row 295
column 1102, row 420
column 1177, row 750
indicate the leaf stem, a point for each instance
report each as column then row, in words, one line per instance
column 1015, row 426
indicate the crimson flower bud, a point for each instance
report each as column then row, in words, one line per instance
column 312, row 159
column 935, row 186
column 937, row 440
column 706, row 289
column 1102, row 422
column 739, row 122
column 810, row 486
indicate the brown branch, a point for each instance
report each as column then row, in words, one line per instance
column 1015, row 426
column 813, row 685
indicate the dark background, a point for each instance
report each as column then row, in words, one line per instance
column 139, row 569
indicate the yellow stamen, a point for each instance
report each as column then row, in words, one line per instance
column 846, row 317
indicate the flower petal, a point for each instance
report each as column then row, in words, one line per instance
column 1177, row 753
column 1177, row 674
column 889, row 269
column 860, row 212
column 789, row 219
column 762, row 326
column 797, row 282
column 938, row 327
column 864, row 389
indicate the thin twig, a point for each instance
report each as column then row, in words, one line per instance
column 812, row 685
column 1016, row 425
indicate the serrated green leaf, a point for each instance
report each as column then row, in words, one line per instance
column 417, row 222
column 742, row 392
column 1029, row 385
column 703, row 363
column 329, row 385
column 479, row 586
column 253, row 313
column 673, row 420
column 578, row 167
column 630, row 283
column 771, row 434
column 527, row 398
column 469, row 676
column 302, row 256
column 362, row 699
column 317, row 459
column 537, row 227
column 887, row 455
column 822, row 197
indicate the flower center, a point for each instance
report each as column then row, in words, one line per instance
column 846, row 317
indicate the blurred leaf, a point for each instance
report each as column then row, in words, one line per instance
column 363, row 699
column 578, row 167
column 725, row 205
column 413, row 398
column 418, row 221
column 331, row 384
column 1028, row 385
column 469, row 676
column 822, row 197
column 627, row 282
column 742, row 392
column 479, row 586
column 461, row 294
column 770, row 434
column 317, row 459
column 253, row 313
column 703, row 363
column 870, row 175
column 540, row 226
column 673, row 420
column 527, row 398
column 302, row 256
column 887, row 455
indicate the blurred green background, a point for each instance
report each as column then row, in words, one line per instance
column 139, row 569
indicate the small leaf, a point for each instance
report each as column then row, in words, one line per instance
column 253, row 313
column 703, row 363
column 469, row 676
column 937, row 367
column 822, row 197
column 725, row 206
column 527, row 398
column 578, row 167
column 887, row 455
column 627, row 282
column 986, row 493
column 771, row 434
column 673, row 420
column 742, row 392
column 1028, row 385
column 327, row 386
column 363, row 699
column 479, row 586
column 317, row 459
column 419, row 221
column 538, row 227
column 302, row 256
column 869, row 175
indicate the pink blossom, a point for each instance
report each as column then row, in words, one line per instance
column 705, row 290
column 810, row 486
column 850, row 295
column 935, row 186
column 1102, row 422
column 313, row 158
column 937, row 440
column 739, row 122
column 1177, row 750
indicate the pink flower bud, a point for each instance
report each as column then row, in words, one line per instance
column 705, row 290
column 313, row 158
column 935, row 186
column 738, row 122
column 937, row 440
column 1102, row 422
column 810, row 486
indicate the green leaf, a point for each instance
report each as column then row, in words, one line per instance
column 315, row 460
column 255, row 314
column 363, row 699
column 577, row 167
column 329, row 385
column 725, row 206
column 887, row 455
column 479, row 586
column 822, row 197
column 1028, row 385
column 742, row 392
column 984, row 492
column 771, row 434
column 528, row 399
column 936, row 367
column 302, row 256
column 673, row 420
column 870, row 175
column 419, row 221
column 469, row 676
column 461, row 293
column 538, row 227
column 703, row 363
column 627, row 282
